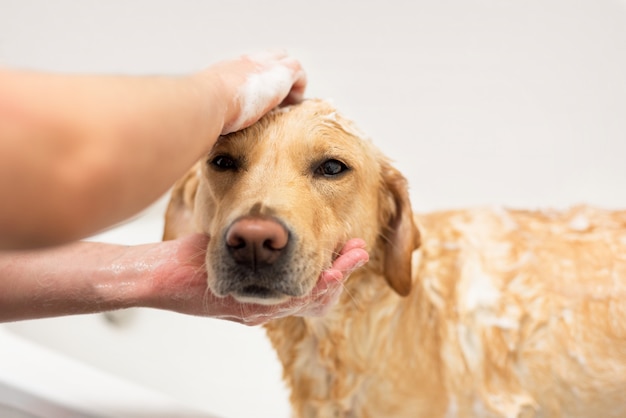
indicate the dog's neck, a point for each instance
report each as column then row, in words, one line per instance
column 355, row 334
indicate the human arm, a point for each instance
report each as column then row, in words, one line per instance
column 87, row 277
column 81, row 153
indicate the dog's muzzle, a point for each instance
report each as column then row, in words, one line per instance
column 258, row 259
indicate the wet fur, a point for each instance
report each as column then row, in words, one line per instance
column 499, row 313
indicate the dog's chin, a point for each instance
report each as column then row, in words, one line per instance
column 265, row 287
column 264, row 295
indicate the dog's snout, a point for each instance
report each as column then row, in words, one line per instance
column 256, row 241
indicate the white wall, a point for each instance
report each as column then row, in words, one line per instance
column 521, row 103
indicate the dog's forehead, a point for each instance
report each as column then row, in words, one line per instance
column 311, row 129
column 319, row 114
column 311, row 121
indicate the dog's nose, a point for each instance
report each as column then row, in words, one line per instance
column 256, row 241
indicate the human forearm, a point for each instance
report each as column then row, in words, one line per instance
column 88, row 144
column 80, row 153
column 89, row 277
column 73, row 279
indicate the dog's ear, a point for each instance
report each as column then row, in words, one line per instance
column 400, row 235
column 179, row 215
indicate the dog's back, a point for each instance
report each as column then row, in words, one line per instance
column 533, row 305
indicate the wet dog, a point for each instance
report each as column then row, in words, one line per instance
column 469, row 313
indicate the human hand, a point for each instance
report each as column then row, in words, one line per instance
column 180, row 285
column 255, row 84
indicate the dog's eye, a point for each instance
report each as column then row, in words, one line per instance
column 224, row 162
column 331, row 168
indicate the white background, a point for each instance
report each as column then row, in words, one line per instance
column 515, row 103
column 521, row 103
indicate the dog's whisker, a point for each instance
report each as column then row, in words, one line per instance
column 206, row 300
column 352, row 298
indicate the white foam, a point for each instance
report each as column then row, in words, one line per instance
column 480, row 291
column 579, row 223
column 258, row 90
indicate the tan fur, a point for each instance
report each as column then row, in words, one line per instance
column 505, row 314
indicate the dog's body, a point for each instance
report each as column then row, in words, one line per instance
column 511, row 313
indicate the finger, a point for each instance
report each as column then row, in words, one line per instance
column 296, row 94
column 352, row 244
column 351, row 260
column 299, row 82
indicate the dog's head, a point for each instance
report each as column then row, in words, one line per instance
column 280, row 198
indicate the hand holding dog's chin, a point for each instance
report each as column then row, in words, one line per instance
column 179, row 284
column 323, row 296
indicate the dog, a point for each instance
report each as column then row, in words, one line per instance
column 485, row 312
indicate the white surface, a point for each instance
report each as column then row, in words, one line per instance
column 520, row 103
column 47, row 385
column 224, row 369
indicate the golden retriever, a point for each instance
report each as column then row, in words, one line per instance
column 498, row 313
